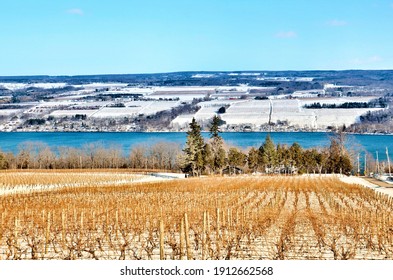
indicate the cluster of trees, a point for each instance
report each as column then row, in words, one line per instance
column 37, row 155
column 199, row 156
column 35, row 122
column 374, row 122
column 347, row 105
column 36, row 93
column 211, row 157
column 380, row 121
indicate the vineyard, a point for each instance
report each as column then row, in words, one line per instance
column 203, row 218
column 37, row 180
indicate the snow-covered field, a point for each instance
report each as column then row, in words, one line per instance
column 133, row 108
column 70, row 113
column 182, row 121
column 206, row 113
column 248, row 111
column 104, row 85
column 17, row 86
column 8, row 112
column 256, row 112
column 42, row 181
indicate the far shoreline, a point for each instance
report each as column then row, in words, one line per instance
column 203, row 131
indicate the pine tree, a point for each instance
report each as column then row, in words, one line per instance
column 218, row 152
column 310, row 159
column 268, row 154
column 194, row 161
column 208, row 158
column 296, row 155
column 236, row 157
column 220, row 159
column 215, row 127
column 283, row 158
column 252, row 159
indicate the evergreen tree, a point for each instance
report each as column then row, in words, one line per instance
column 236, row 157
column 194, row 161
column 252, row 159
column 296, row 155
column 215, row 127
column 220, row 159
column 268, row 154
column 283, row 157
column 218, row 152
column 208, row 158
column 310, row 159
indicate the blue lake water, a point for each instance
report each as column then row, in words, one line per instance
column 10, row 141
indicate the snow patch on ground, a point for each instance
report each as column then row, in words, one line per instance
column 365, row 183
column 139, row 178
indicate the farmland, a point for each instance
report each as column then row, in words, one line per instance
column 245, row 101
column 249, row 217
column 256, row 113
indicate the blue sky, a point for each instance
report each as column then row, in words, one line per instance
column 66, row 37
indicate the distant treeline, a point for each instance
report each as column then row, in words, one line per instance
column 380, row 121
column 374, row 122
column 347, row 77
column 37, row 155
column 378, row 103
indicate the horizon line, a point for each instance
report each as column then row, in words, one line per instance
column 186, row 71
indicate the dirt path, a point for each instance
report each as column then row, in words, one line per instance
column 371, row 183
column 378, row 182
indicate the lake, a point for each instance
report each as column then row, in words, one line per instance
column 10, row 141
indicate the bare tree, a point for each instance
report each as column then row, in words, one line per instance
column 70, row 158
column 46, row 158
column 138, row 157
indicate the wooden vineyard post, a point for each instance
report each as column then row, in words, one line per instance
column 218, row 232
column 207, row 231
column 47, row 233
column 81, row 221
column 223, row 218
column 16, row 237
column 162, row 253
column 63, row 237
column 1, row 226
column 116, row 224
column 204, row 236
column 182, row 241
column 244, row 215
column 229, row 216
column 207, row 223
column 218, row 220
column 75, row 217
column 107, row 227
column 186, row 231
column 94, row 220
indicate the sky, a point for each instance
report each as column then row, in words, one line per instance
column 81, row 37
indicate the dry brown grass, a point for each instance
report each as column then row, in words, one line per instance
column 210, row 218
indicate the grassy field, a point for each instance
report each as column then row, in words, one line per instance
column 93, row 217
